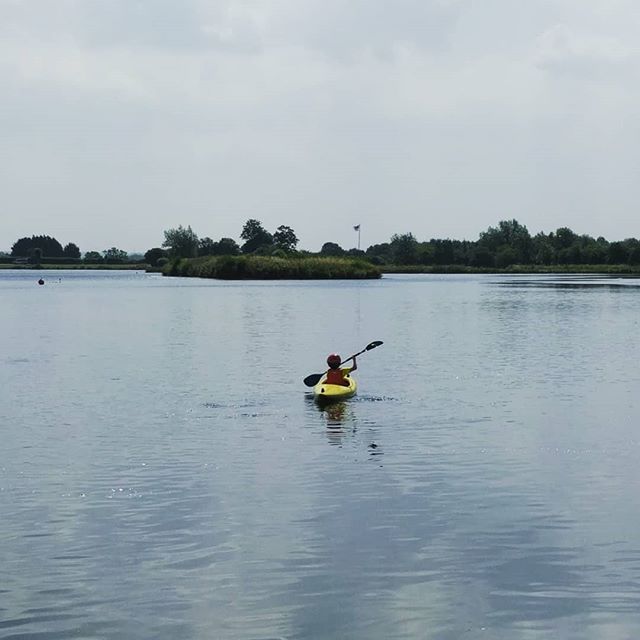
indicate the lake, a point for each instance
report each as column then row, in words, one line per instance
column 164, row 472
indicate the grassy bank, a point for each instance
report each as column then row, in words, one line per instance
column 613, row 269
column 126, row 267
column 271, row 268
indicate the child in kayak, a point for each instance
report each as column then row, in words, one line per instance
column 336, row 375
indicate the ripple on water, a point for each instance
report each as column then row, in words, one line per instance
column 147, row 491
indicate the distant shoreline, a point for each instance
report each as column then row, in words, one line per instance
column 76, row 267
column 602, row 269
column 595, row 269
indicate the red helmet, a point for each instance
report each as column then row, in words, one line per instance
column 334, row 360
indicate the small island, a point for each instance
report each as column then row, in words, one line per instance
column 262, row 256
column 271, row 268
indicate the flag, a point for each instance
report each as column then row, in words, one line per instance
column 356, row 228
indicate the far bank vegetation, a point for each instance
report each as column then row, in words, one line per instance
column 271, row 268
column 507, row 247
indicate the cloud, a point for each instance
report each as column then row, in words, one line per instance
column 190, row 25
column 434, row 117
column 566, row 50
column 336, row 28
column 341, row 29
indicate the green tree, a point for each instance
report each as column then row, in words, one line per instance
column 49, row 246
column 633, row 250
column 153, row 255
column 285, row 238
column 92, row 257
column 563, row 238
column 205, row 246
column 36, row 255
column 506, row 256
column 508, row 233
column 587, row 250
column 442, row 251
column 255, row 236
column 462, row 251
column 21, row 248
column 426, row 253
column 181, row 242
column 482, row 257
column 618, row 253
column 332, row 249
column 71, row 251
column 492, row 239
column 115, row 255
column 542, row 249
column 404, row 248
column 594, row 253
column 225, row 247
column 570, row 255
column 634, row 256
column 379, row 253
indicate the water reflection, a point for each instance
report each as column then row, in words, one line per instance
column 342, row 424
column 337, row 417
column 572, row 281
column 337, row 414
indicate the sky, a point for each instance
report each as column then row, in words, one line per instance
column 122, row 118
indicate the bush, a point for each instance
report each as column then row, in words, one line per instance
column 153, row 256
column 271, row 268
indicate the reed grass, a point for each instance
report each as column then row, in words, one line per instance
column 271, row 268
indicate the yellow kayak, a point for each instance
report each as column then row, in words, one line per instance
column 328, row 392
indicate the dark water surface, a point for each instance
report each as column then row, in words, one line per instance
column 164, row 473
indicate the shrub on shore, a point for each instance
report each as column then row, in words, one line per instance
column 622, row 269
column 270, row 268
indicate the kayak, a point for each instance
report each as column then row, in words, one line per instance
column 330, row 392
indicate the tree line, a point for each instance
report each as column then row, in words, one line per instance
column 184, row 243
column 180, row 242
column 508, row 243
column 38, row 248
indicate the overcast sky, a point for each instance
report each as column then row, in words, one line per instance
column 122, row 118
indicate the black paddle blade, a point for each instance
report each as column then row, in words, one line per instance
column 373, row 345
column 313, row 379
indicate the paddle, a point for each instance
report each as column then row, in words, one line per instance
column 314, row 378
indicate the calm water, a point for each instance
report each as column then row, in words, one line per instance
column 164, row 473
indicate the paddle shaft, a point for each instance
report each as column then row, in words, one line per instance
column 371, row 345
column 314, row 378
column 355, row 355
